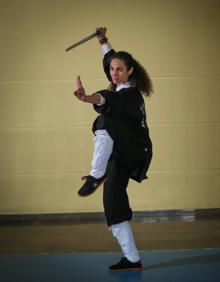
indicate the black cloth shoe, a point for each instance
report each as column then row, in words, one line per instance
column 126, row 265
column 90, row 185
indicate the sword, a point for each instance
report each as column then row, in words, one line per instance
column 83, row 40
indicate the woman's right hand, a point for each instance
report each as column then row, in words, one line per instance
column 101, row 32
column 80, row 91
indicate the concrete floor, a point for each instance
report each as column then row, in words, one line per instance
column 170, row 251
column 68, row 238
column 158, row 266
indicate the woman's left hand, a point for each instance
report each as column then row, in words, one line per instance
column 80, row 91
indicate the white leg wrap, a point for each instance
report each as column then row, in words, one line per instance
column 124, row 236
column 101, row 154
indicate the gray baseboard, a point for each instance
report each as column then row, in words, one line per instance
column 138, row 216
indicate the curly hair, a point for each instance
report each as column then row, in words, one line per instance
column 139, row 77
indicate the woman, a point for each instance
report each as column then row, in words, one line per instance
column 126, row 136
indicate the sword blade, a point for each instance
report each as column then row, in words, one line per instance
column 85, row 39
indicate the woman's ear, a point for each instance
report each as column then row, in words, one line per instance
column 130, row 71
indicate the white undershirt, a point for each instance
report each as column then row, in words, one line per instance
column 106, row 47
column 123, row 85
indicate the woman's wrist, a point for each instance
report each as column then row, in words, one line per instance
column 103, row 40
column 92, row 99
column 84, row 99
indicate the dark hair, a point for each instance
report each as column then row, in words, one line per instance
column 139, row 76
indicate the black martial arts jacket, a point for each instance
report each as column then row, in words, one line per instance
column 123, row 116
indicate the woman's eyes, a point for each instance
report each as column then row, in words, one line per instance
column 118, row 69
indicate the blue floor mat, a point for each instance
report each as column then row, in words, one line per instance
column 158, row 266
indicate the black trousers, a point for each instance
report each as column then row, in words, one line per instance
column 115, row 197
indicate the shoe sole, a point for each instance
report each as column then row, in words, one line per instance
column 125, row 269
column 93, row 190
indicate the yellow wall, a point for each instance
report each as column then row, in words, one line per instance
column 45, row 134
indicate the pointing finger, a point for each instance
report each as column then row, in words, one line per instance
column 78, row 82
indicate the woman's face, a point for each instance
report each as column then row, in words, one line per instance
column 119, row 72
